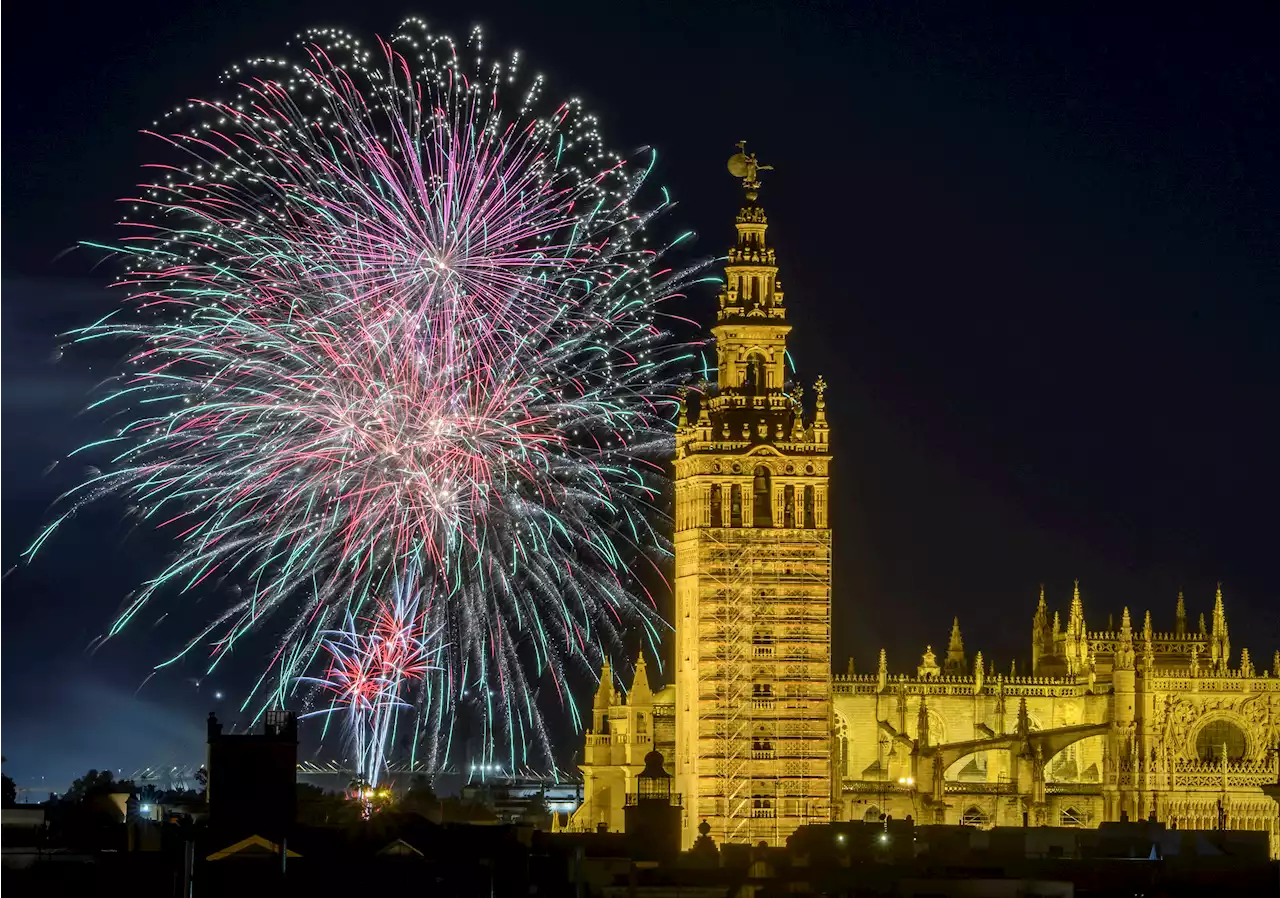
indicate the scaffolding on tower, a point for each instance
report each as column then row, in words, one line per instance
column 760, row 579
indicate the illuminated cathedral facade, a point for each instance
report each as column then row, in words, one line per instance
column 762, row 737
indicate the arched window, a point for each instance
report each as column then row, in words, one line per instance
column 642, row 727
column 756, row 375
column 717, row 513
column 1217, row 735
column 735, row 505
column 808, row 508
column 788, row 506
column 762, row 499
column 974, row 816
column 1074, row 817
column 872, row 815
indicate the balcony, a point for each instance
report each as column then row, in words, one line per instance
column 633, row 799
column 763, row 754
column 762, row 704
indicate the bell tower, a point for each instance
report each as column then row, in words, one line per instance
column 753, row 566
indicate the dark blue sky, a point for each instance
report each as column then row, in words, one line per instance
column 1034, row 253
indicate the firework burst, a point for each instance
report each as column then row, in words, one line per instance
column 374, row 665
column 391, row 316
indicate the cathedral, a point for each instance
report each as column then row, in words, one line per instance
column 762, row 737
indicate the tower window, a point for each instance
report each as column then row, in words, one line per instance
column 755, row 377
column 735, row 505
column 788, row 506
column 762, row 496
column 717, row 513
column 809, row 517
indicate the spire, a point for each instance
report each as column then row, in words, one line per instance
column 849, row 671
column 641, row 694
column 956, row 664
column 603, row 699
column 1275, row 664
column 978, row 672
column 1246, row 664
column 882, row 673
column 751, row 402
column 1219, row 641
column 1040, row 639
column 1077, row 645
column 1204, row 631
column 1124, row 654
column 1024, row 719
column 1148, row 650
column 1180, row 618
column 922, row 724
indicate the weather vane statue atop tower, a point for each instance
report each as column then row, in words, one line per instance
column 745, row 166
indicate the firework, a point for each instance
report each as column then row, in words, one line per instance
column 374, row 664
column 390, row 314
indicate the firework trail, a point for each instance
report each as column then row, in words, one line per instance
column 391, row 314
column 374, row 663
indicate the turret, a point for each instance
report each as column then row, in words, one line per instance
column 1180, row 618
column 955, row 665
column 1123, row 675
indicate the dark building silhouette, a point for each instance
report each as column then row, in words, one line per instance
column 253, row 778
column 652, row 813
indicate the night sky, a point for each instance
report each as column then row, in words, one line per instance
column 1034, row 254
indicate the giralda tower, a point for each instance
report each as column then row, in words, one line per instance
column 753, row 567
